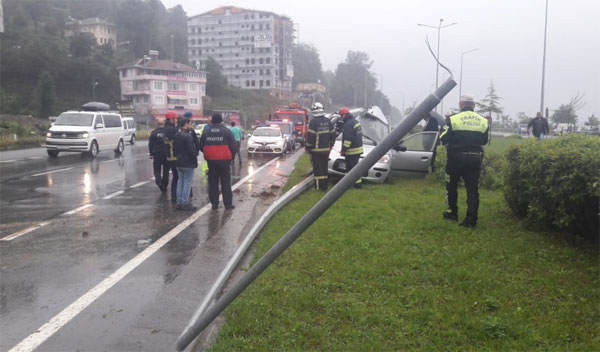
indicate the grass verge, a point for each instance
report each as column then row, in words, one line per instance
column 381, row 270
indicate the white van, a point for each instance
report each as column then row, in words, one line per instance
column 90, row 130
column 129, row 127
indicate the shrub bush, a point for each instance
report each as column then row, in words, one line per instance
column 556, row 182
column 491, row 168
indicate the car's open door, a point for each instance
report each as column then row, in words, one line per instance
column 413, row 156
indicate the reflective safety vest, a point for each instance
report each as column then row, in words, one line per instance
column 320, row 136
column 352, row 143
column 466, row 131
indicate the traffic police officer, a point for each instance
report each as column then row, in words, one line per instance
column 217, row 145
column 319, row 141
column 464, row 135
column 352, row 145
column 159, row 151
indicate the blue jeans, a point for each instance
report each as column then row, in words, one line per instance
column 184, row 184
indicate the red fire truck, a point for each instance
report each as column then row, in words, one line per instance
column 296, row 114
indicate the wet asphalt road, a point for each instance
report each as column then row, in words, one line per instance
column 70, row 226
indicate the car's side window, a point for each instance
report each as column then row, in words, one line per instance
column 111, row 120
column 421, row 142
column 98, row 120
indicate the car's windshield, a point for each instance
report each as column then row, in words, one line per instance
column 74, row 119
column 373, row 128
column 285, row 128
column 266, row 132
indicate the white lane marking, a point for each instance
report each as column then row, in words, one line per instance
column 25, row 231
column 113, row 194
column 34, row 340
column 138, row 184
column 108, row 161
column 53, row 171
column 77, row 209
column 7, row 161
column 36, row 157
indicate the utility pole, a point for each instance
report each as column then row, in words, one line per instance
column 461, row 70
column 172, row 49
column 366, row 74
column 437, row 65
column 544, row 59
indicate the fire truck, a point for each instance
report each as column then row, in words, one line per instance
column 296, row 114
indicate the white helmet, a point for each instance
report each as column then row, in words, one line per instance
column 317, row 108
column 467, row 98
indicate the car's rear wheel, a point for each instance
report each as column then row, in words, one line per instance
column 93, row 149
column 132, row 140
column 52, row 153
column 120, row 147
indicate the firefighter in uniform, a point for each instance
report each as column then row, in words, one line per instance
column 464, row 135
column 352, row 145
column 217, row 145
column 319, row 141
column 170, row 132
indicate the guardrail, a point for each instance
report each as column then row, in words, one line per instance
column 241, row 251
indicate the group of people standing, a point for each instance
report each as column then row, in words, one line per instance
column 321, row 137
column 174, row 147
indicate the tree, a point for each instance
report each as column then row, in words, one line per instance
column 45, row 95
column 490, row 104
column 82, row 44
column 566, row 113
column 216, row 82
column 592, row 121
column 523, row 118
column 351, row 78
column 307, row 64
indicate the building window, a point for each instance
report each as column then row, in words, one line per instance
column 268, row 72
column 268, row 60
column 261, row 83
column 260, row 60
column 267, row 26
column 268, row 83
column 123, row 73
column 136, row 99
column 247, row 83
column 220, row 21
column 252, row 61
column 237, row 77
column 158, row 85
column 260, row 26
column 158, row 99
column 252, row 83
column 129, row 85
column 247, row 61
column 145, row 99
column 193, row 101
column 260, row 72
column 193, row 87
column 174, row 86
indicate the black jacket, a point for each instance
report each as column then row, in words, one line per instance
column 352, row 143
column 185, row 150
column 539, row 126
column 160, row 142
column 320, row 136
column 432, row 125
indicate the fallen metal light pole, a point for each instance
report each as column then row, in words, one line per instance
column 315, row 212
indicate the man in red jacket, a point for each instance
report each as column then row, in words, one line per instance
column 217, row 144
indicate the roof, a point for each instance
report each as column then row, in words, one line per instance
column 90, row 21
column 220, row 11
column 160, row 65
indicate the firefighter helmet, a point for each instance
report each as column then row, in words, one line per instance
column 171, row 115
column 344, row 111
column 317, row 107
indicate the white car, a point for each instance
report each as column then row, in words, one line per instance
column 130, row 130
column 266, row 140
column 374, row 129
column 87, row 131
column 412, row 156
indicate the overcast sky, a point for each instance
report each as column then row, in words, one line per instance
column 508, row 33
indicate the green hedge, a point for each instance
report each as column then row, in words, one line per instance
column 556, row 182
column 491, row 168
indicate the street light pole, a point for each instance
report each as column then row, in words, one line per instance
column 172, row 48
column 437, row 67
column 94, row 84
column 544, row 59
column 461, row 70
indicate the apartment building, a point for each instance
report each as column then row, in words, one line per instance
column 157, row 86
column 254, row 48
column 104, row 31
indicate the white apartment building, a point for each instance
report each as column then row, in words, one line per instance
column 104, row 31
column 254, row 48
column 157, row 86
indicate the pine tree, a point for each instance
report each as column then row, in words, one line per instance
column 490, row 104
